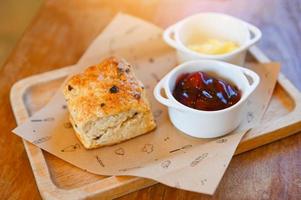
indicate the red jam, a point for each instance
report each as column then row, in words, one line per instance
column 200, row 91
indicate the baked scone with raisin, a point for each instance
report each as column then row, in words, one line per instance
column 108, row 104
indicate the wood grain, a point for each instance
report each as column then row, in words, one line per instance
column 63, row 29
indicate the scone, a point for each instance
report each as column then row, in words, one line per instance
column 107, row 104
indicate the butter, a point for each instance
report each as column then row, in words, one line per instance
column 214, row 47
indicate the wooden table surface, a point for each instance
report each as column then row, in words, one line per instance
column 63, row 29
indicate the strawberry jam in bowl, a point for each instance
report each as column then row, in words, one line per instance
column 206, row 98
column 201, row 91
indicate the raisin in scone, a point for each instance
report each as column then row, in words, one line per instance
column 107, row 104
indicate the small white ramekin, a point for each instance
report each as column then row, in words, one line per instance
column 216, row 26
column 207, row 124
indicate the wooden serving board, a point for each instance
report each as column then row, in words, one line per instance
column 56, row 179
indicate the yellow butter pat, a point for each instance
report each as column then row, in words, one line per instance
column 213, row 46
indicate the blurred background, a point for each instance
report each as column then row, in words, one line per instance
column 15, row 15
column 279, row 21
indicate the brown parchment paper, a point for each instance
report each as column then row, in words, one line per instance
column 165, row 155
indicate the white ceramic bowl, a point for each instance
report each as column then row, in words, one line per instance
column 212, row 25
column 207, row 124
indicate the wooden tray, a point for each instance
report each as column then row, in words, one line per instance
column 57, row 179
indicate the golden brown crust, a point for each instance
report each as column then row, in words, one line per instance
column 104, row 89
column 107, row 104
